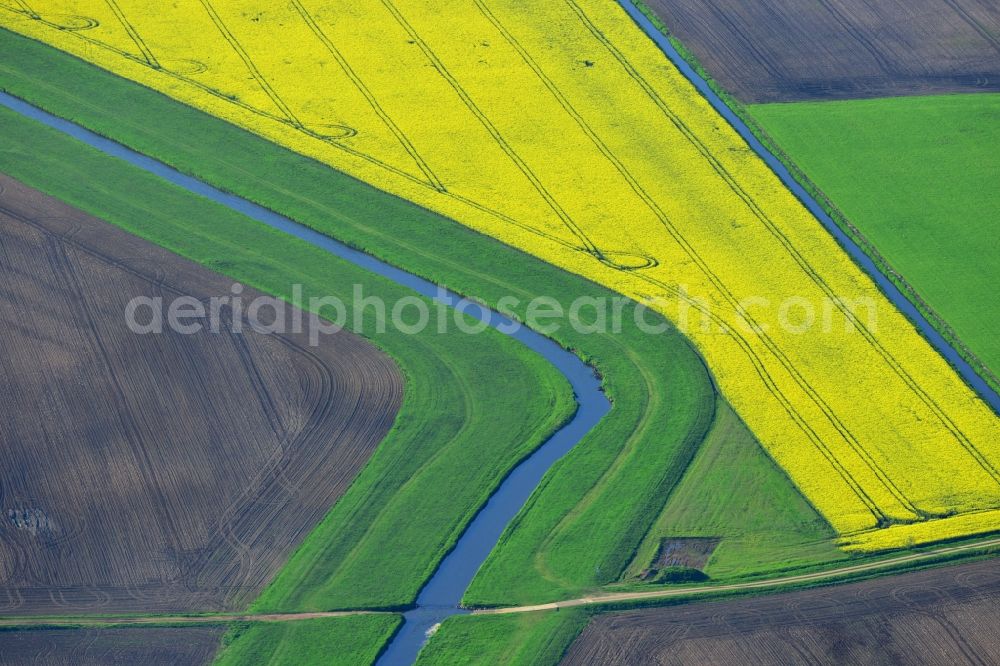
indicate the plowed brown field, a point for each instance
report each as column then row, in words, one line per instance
column 787, row 50
column 157, row 472
column 90, row 647
column 939, row 616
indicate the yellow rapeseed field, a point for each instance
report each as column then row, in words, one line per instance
column 559, row 128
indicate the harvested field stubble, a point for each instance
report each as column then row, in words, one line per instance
column 790, row 50
column 940, row 616
column 158, row 472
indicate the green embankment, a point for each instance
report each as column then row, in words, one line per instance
column 341, row 641
column 734, row 492
column 918, row 177
column 582, row 529
column 523, row 639
column 447, row 449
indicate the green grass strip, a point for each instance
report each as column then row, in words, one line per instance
column 342, row 641
column 445, row 453
column 583, row 526
column 734, row 492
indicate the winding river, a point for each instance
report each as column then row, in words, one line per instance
column 441, row 595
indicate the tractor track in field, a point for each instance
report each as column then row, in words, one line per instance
column 440, row 597
column 943, row 615
column 67, row 278
column 418, row 620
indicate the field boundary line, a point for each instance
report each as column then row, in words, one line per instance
column 681, row 592
column 493, row 130
column 257, row 75
column 592, row 600
column 868, row 247
column 789, row 247
column 147, row 53
column 942, row 337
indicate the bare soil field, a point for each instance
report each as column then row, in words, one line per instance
column 791, row 50
column 164, row 472
column 85, row 647
column 942, row 616
column 692, row 552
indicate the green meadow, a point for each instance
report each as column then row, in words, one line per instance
column 919, row 177
column 339, row 641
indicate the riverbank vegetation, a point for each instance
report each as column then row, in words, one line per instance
column 483, row 115
column 448, row 447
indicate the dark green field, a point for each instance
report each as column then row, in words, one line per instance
column 734, row 493
column 918, row 176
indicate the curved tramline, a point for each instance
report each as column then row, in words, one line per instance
column 513, row 158
column 441, row 595
column 483, row 114
column 136, row 508
column 843, row 573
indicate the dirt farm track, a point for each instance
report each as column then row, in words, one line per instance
column 157, row 472
column 786, row 50
column 943, row 616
